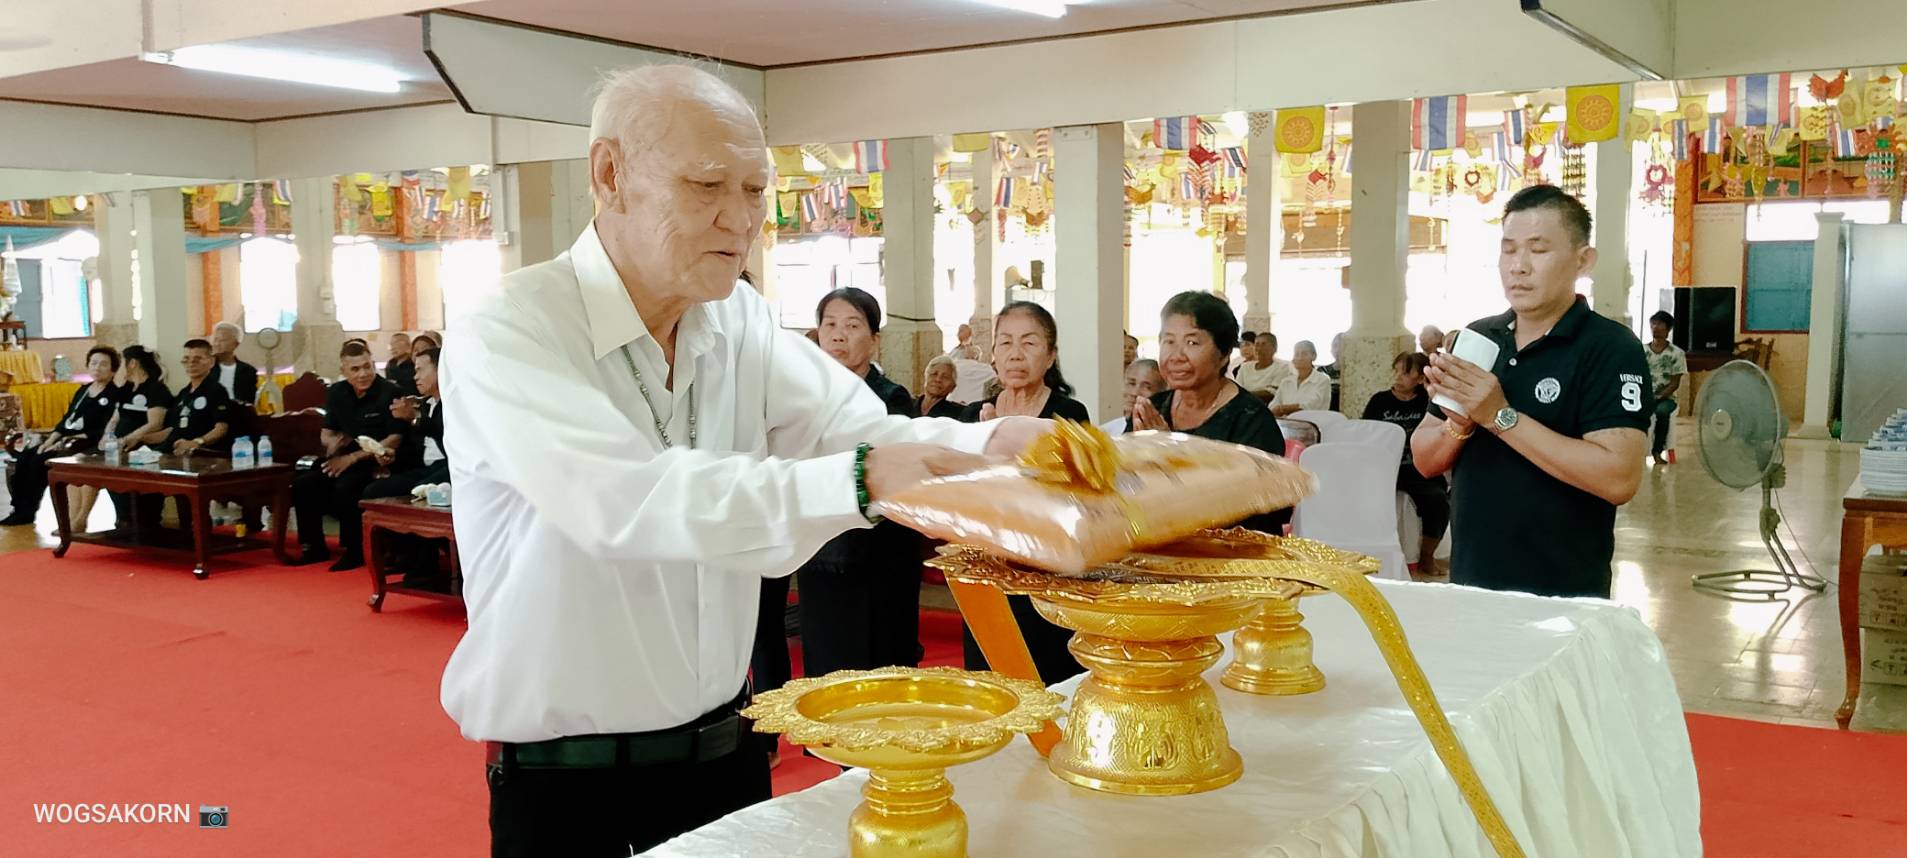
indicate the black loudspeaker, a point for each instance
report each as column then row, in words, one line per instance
column 1704, row 319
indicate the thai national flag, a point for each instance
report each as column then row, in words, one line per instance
column 1437, row 123
column 1422, row 163
column 1847, row 142
column 282, row 190
column 1679, row 131
column 1500, row 143
column 1175, row 132
column 1235, row 156
column 1003, row 194
column 1188, row 186
column 1513, row 125
column 870, row 156
column 1882, row 123
column 1129, row 174
column 1345, row 167
column 1759, row 100
column 1712, row 140
column 810, row 210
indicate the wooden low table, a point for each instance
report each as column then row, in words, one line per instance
column 198, row 480
column 404, row 515
column 1867, row 520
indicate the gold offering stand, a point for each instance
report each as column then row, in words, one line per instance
column 905, row 726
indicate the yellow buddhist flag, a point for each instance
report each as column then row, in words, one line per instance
column 61, row 205
column 959, row 193
column 1815, row 120
column 876, row 191
column 348, row 186
column 381, row 200
column 1641, row 124
column 1783, row 142
column 1295, row 165
column 1299, row 129
column 972, row 142
column 1880, row 97
column 789, row 202
column 862, row 198
column 1594, row 113
column 459, row 183
column 1692, row 109
column 1853, row 109
column 788, row 161
column 229, row 193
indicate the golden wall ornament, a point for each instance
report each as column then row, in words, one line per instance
column 905, row 725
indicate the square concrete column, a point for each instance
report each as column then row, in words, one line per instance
column 113, row 222
column 316, row 337
column 159, row 218
column 1824, row 327
column 543, row 205
column 988, row 282
column 1380, row 245
column 909, row 338
column 1615, row 177
column 1088, row 216
column 1264, row 225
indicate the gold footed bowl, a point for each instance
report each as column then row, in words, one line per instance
column 1145, row 721
column 905, row 726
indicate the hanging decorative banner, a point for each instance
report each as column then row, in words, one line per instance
column 810, row 208
column 1712, row 139
column 876, row 191
column 381, row 200
column 281, row 192
column 870, row 156
column 1422, row 163
column 1693, row 109
column 786, row 201
column 1294, row 165
column 1815, row 121
column 1235, row 156
column 1593, row 113
column 788, row 161
column 1438, row 122
column 861, row 198
column 1827, row 90
column 1852, row 109
column 459, row 183
column 229, row 193
column 1783, row 141
column 972, row 142
column 1201, row 156
column 1641, row 124
column 1043, row 143
column 1513, row 120
column 1344, row 165
column 348, row 188
column 1847, row 142
column 959, row 193
column 1176, row 132
column 1678, row 131
column 1299, row 129
column 258, row 210
column 1759, row 100
column 1880, row 98
column 1003, row 194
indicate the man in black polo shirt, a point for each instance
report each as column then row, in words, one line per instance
column 1551, row 438
column 360, row 405
column 201, row 415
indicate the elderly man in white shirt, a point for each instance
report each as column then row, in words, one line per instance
column 1307, row 389
column 635, row 443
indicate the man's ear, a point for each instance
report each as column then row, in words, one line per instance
column 605, row 174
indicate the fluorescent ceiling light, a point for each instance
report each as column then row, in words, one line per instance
column 1048, row 8
column 290, row 66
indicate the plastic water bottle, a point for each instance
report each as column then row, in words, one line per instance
column 109, row 445
column 264, row 449
column 242, row 453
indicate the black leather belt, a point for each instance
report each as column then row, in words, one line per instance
column 712, row 736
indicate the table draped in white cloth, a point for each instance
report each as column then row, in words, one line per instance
column 1566, row 707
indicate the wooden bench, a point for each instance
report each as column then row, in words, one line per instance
column 404, row 515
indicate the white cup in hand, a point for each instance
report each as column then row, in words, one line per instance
column 1475, row 348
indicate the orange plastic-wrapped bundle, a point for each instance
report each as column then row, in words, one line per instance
column 1079, row 498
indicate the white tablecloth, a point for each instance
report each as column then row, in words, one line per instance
column 1566, row 707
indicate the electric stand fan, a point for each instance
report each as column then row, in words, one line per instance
column 1741, row 429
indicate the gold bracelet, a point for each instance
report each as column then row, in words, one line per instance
column 1449, row 429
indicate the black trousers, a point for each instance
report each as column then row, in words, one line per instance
column 28, row 484
column 315, row 495
column 1046, row 641
column 400, row 484
column 1431, row 496
column 618, row 812
column 860, row 616
column 1664, row 417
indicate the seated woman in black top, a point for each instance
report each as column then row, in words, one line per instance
column 1196, row 334
column 78, row 432
column 1404, row 405
column 141, row 423
column 1026, row 358
column 1024, row 343
column 933, row 401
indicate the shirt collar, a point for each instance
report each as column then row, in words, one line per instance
column 613, row 320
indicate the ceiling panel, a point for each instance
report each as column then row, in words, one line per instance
column 777, row 32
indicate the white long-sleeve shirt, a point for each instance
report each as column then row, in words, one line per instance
column 611, row 583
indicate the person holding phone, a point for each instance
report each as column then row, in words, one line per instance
column 1547, row 441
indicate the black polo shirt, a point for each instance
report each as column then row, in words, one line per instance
column 1512, row 526
column 196, row 411
column 351, row 415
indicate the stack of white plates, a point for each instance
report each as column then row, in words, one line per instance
column 1884, row 459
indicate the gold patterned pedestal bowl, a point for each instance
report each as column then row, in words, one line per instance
column 905, row 726
column 1144, row 722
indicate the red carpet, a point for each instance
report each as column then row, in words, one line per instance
column 1781, row 791
column 277, row 693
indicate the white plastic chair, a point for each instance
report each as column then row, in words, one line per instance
column 1390, row 437
column 1355, row 507
column 1324, row 420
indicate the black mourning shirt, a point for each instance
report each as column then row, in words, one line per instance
column 429, row 425
column 197, row 411
column 1405, row 414
column 1056, row 406
column 1244, row 421
column 887, row 544
column 134, row 401
column 1514, row 527
column 351, row 415
column 88, row 413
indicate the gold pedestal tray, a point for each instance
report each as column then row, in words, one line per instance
column 1145, row 722
column 906, row 726
column 1272, row 653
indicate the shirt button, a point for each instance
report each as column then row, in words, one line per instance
column 1512, row 361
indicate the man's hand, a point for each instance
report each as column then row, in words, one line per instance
column 1477, row 391
column 894, row 468
column 1013, row 434
column 184, row 446
column 1146, row 416
column 385, row 460
column 339, row 464
column 404, row 408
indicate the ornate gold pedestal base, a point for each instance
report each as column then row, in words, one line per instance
column 1146, row 722
column 907, row 812
column 1272, row 654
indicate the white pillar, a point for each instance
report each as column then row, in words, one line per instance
column 987, row 279
column 1380, row 244
column 316, row 337
column 113, row 222
column 761, row 265
column 1615, row 174
column 1824, row 325
column 1089, row 164
column 545, row 205
column 159, row 218
column 909, row 338
column 1264, row 225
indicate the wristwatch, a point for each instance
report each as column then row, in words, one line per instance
column 1505, row 419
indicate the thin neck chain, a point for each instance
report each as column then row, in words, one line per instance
column 661, row 431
